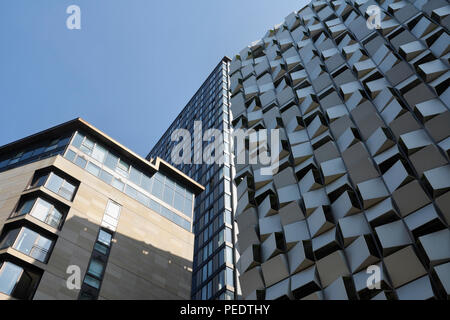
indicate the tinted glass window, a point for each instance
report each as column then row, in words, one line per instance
column 60, row 186
column 105, row 238
column 96, row 268
column 87, row 146
column 93, row 169
column 81, row 162
column 99, row 153
column 135, row 176
column 111, row 161
column 118, row 184
column 77, row 140
column 70, row 155
column 157, row 188
column 92, row 282
column 146, row 183
column 33, row 244
column 26, row 207
column 9, row 276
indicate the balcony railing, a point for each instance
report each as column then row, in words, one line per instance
column 39, row 253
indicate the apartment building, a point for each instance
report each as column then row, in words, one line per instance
column 83, row 217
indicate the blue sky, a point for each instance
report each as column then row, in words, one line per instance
column 130, row 69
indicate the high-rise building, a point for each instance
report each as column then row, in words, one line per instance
column 214, row 274
column 359, row 207
column 83, row 217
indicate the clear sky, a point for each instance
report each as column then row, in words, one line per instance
column 130, row 69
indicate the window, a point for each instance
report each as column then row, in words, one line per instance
column 188, row 207
column 146, row 183
column 9, row 239
column 179, row 189
column 123, row 168
column 99, row 153
column 220, row 239
column 227, row 186
column 96, row 268
column 168, row 195
column 113, row 209
column 135, row 176
column 229, row 277
column 93, row 169
column 52, row 146
column 205, row 272
column 178, row 202
column 111, row 216
column 221, row 257
column 210, row 269
column 221, row 279
column 3, row 162
column 132, row 192
column 27, row 155
column 204, row 293
column 16, row 158
column 209, row 286
column 226, row 172
column 28, row 242
column 9, row 277
column 157, row 188
column 104, row 238
column 54, row 183
column 92, row 282
column 106, row 177
column 60, row 186
column 155, row 206
column 34, row 152
column 45, row 212
column 101, row 248
column 227, row 201
column 70, row 155
column 143, row 199
column 111, row 161
column 87, row 146
column 77, row 140
column 205, row 254
column 26, row 207
column 39, row 180
column 229, row 255
column 103, row 242
column 94, row 274
column 41, row 210
column 119, row 185
column 33, row 244
column 81, row 162
column 228, row 219
column 220, row 203
column 16, row 281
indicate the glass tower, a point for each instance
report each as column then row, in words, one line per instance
column 214, row 257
